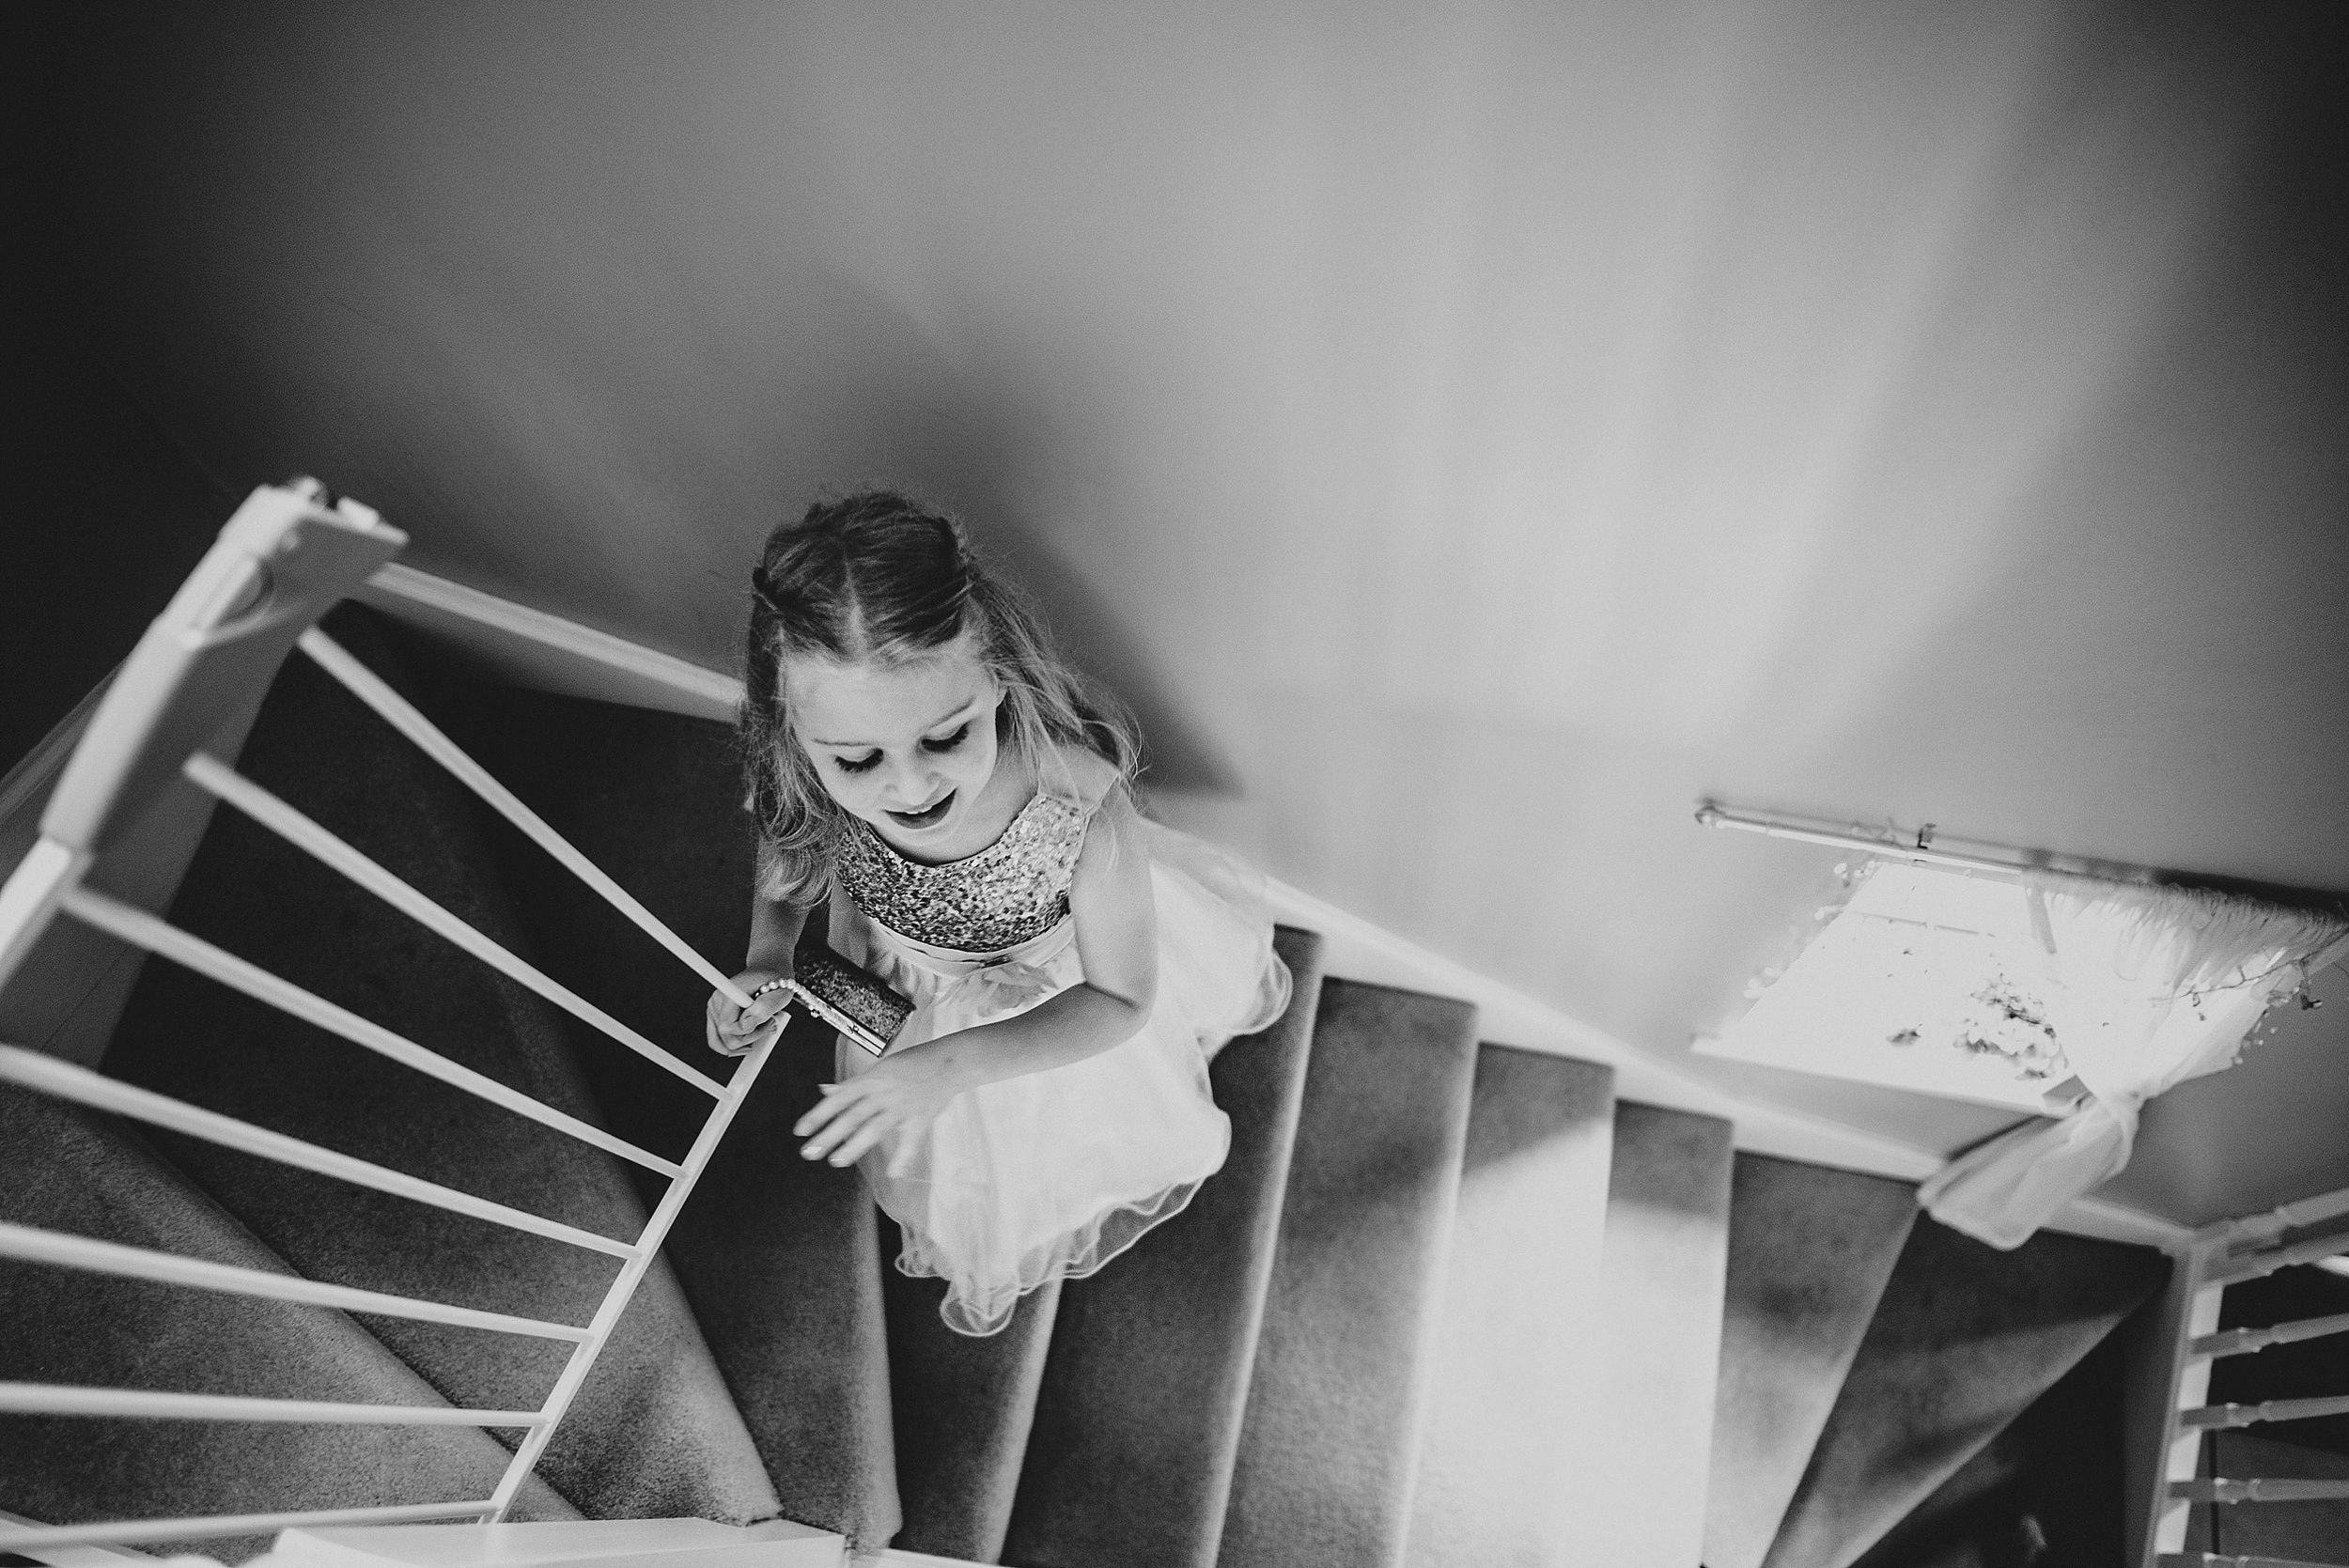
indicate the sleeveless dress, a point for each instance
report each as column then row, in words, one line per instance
column 1051, row 1174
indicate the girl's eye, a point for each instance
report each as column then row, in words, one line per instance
column 857, row 765
column 950, row 742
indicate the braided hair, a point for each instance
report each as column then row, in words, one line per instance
column 879, row 578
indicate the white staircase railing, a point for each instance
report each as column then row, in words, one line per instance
column 2167, row 1485
column 286, row 558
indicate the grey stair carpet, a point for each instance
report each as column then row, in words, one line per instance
column 1965, row 1338
column 1809, row 1251
column 65, row 1169
column 782, row 1260
column 2045, row 1493
column 1135, row 1470
column 1517, row 1351
column 1637, row 1492
column 778, row 1257
column 654, row 1432
column 963, row 1408
column 1329, row 1443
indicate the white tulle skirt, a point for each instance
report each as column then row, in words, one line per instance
column 1052, row 1174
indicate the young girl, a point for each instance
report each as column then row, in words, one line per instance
column 926, row 771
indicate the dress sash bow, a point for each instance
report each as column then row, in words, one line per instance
column 1014, row 979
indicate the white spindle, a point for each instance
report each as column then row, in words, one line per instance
column 50, row 882
column 2239, row 1342
column 2266, row 1227
column 2209, row 1489
column 2170, row 1378
column 401, row 714
column 2170, row 1381
column 69, row 1083
column 656, row 1231
column 299, row 831
column 140, row 929
column 52, row 1399
column 2270, row 1411
column 138, row 1263
column 29, row 1538
column 2258, row 1265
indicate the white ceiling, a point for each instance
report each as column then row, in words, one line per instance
column 1466, row 433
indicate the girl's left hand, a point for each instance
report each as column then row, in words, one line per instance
column 902, row 1093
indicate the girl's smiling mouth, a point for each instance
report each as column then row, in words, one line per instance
column 930, row 818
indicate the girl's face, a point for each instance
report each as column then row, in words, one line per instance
column 907, row 746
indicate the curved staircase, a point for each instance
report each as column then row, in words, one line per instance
column 1449, row 1303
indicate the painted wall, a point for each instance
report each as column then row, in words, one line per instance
column 1466, row 433
column 105, row 517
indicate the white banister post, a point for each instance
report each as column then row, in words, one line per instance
column 583, row 1360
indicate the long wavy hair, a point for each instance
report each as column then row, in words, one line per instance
column 877, row 577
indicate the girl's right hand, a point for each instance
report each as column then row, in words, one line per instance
column 732, row 1030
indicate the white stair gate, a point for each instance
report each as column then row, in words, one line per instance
column 287, row 557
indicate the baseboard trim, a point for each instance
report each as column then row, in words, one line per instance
column 1359, row 949
column 531, row 649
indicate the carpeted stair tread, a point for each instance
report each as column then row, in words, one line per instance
column 1639, row 1489
column 655, row 800
column 65, row 1169
column 1517, row 1352
column 1328, row 1446
column 1963, row 1339
column 1135, row 1469
column 779, row 1258
column 653, row 1431
column 781, row 1261
column 963, row 1408
column 2048, row 1492
column 1809, row 1251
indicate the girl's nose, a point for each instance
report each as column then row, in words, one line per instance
column 913, row 781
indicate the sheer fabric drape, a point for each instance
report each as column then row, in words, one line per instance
column 2147, row 987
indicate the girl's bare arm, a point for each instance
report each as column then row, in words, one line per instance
column 775, row 928
column 774, row 932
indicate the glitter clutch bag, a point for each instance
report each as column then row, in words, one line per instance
column 846, row 997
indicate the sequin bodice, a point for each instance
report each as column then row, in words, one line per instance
column 1011, row 891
